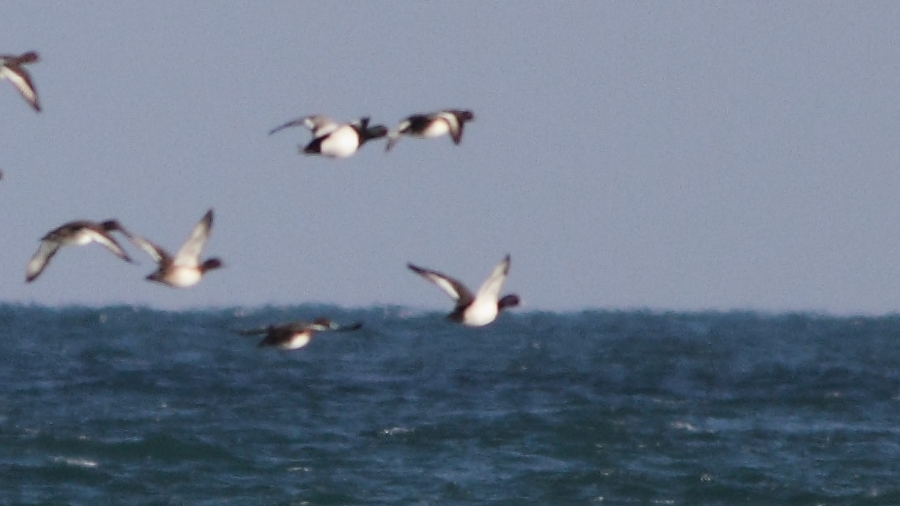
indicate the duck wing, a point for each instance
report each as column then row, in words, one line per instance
column 189, row 254
column 158, row 254
column 454, row 288
column 21, row 80
column 319, row 124
column 347, row 328
column 491, row 287
column 453, row 124
column 108, row 242
column 41, row 258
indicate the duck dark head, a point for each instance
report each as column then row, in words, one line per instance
column 29, row 57
column 210, row 264
column 113, row 225
column 510, row 300
column 463, row 115
column 376, row 132
column 367, row 133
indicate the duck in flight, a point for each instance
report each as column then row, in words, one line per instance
column 295, row 335
column 427, row 126
column 75, row 233
column 333, row 139
column 184, row 269
column 473, row 310
column 12, row 68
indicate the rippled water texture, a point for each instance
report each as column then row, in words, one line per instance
column 134, row 406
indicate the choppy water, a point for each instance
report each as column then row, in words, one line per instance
column 133, row 406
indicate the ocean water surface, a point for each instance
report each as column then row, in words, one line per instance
column 134, row 406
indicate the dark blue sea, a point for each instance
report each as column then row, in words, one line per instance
column 135, row 406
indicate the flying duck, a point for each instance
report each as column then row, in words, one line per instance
column 184, row 269
column 75, row 233
column 332, row 139
column 12, row 68
column 426, row 126
column 295, row 335
column 483, row 307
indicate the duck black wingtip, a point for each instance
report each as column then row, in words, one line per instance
column 349, row 327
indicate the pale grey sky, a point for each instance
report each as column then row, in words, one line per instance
column 667, row 155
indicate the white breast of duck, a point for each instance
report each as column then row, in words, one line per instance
column 182, row 277
column 341, row 143
column 438, row 127
column 479, row 313
column 298, row 340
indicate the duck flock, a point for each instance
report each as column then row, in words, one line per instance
column 329, row 139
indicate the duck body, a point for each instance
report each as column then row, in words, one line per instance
column 295, row 335
column 334, row 140
column 481, row 308
column 184, row 269
column 428, row 126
